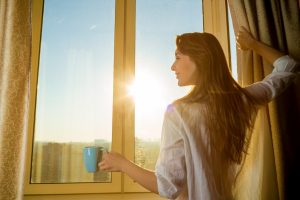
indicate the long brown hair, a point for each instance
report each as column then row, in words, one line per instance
column 226, row 108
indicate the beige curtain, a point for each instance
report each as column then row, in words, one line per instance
column 15, row 50
column 270, row 168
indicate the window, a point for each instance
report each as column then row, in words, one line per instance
column 86, row 56
column 232, row 42
column 72, row 102
column 74, row 93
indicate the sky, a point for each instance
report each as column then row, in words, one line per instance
column 74, row 101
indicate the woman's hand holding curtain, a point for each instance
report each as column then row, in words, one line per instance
column 246, row 41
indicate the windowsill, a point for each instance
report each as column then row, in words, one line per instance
column 127, row 196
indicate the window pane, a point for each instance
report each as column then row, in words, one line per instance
column 74, row 93
column 157, row 24
column 232, row 47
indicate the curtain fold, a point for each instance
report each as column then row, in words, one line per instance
column 15, row 58
column 271, row 168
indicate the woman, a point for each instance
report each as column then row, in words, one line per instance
column 204, row 134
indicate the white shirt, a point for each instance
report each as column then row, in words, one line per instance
column 179, row 168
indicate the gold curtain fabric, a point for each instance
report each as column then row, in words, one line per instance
column 15, row 50
column 264, row 174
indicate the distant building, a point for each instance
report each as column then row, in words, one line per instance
column 63, row 163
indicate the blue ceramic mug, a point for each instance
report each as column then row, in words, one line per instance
column 91, row 156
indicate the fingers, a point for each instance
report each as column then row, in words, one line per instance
column 244, row 39
column 241, row 47
column 238, row 46
column 104, row 155
column 243, row 32
column 111, row 161
column 244, row 29
column 238, row 43
column 103, row 166
column 106, row 164
column 106, row 167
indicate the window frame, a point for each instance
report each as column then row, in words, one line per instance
column 123, row 138
column 214, row 21
column 117, row 129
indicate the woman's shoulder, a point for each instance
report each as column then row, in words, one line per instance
column 178, row 107
column 172, row 110
column 184, row 110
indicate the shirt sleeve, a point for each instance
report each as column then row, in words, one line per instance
column 170, row 168
column 275, row 83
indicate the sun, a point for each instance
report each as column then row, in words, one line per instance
column 147, row 91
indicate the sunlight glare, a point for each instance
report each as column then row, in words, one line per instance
column 147, row 90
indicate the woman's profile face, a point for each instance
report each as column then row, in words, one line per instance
column 185, row 69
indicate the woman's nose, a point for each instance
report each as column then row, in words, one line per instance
column 173, row 67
